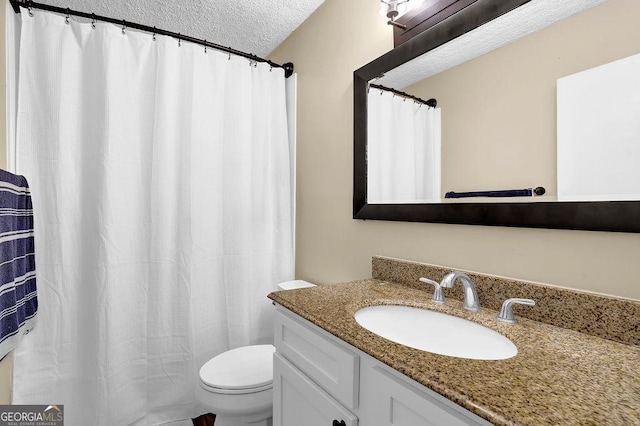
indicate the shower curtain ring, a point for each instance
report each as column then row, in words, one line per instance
column 179, row 40
column 30, row 8
column 93, row 21
column 124, row 27
column 229, row 52
column 153, row 37
column 205, row 45
column 66, row 19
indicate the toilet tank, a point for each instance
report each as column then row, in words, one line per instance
column 291, row 285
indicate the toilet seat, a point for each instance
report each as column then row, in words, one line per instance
column 243, row 370
column 235, row 391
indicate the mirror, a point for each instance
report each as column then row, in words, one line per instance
column 497, row 134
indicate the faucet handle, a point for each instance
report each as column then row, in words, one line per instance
column 438, row 296
column 506, row 311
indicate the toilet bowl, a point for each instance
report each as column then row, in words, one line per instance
column 237, row 385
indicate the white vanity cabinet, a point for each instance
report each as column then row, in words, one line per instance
column 299, row 401
column 315, row 379
column 319, row 380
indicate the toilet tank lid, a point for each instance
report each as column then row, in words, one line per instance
column 291, row 285
column 246, row 367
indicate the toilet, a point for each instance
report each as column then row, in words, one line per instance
column 237, row 385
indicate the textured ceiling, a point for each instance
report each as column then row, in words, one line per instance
column 252, row 26
column 525, row 20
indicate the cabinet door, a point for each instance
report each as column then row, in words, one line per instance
column 391, row 401
column 299, row 401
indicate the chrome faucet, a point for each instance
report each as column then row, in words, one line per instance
column 471, row 301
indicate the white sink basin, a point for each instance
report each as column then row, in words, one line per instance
column 435, row 332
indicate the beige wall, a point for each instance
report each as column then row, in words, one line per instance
column 339, row 38
column 502, row 126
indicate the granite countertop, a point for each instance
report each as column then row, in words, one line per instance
column 559, row 376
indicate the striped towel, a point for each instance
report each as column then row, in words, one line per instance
column 18, row 297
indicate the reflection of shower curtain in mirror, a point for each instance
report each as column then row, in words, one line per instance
column 403, row 150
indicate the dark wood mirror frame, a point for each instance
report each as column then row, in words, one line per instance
column 620, row 216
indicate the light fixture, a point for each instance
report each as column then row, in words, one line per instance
column 393, row 9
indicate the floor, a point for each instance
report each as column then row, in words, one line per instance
column 204, row 420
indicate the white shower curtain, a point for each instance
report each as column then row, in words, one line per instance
column 161, row 186
column 403, row 150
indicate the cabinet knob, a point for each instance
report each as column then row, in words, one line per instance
column 339, row 423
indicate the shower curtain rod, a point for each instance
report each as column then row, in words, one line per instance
column 288, row 67
column 430, row 102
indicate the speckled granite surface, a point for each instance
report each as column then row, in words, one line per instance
column 558, row 377
column 607, row 317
